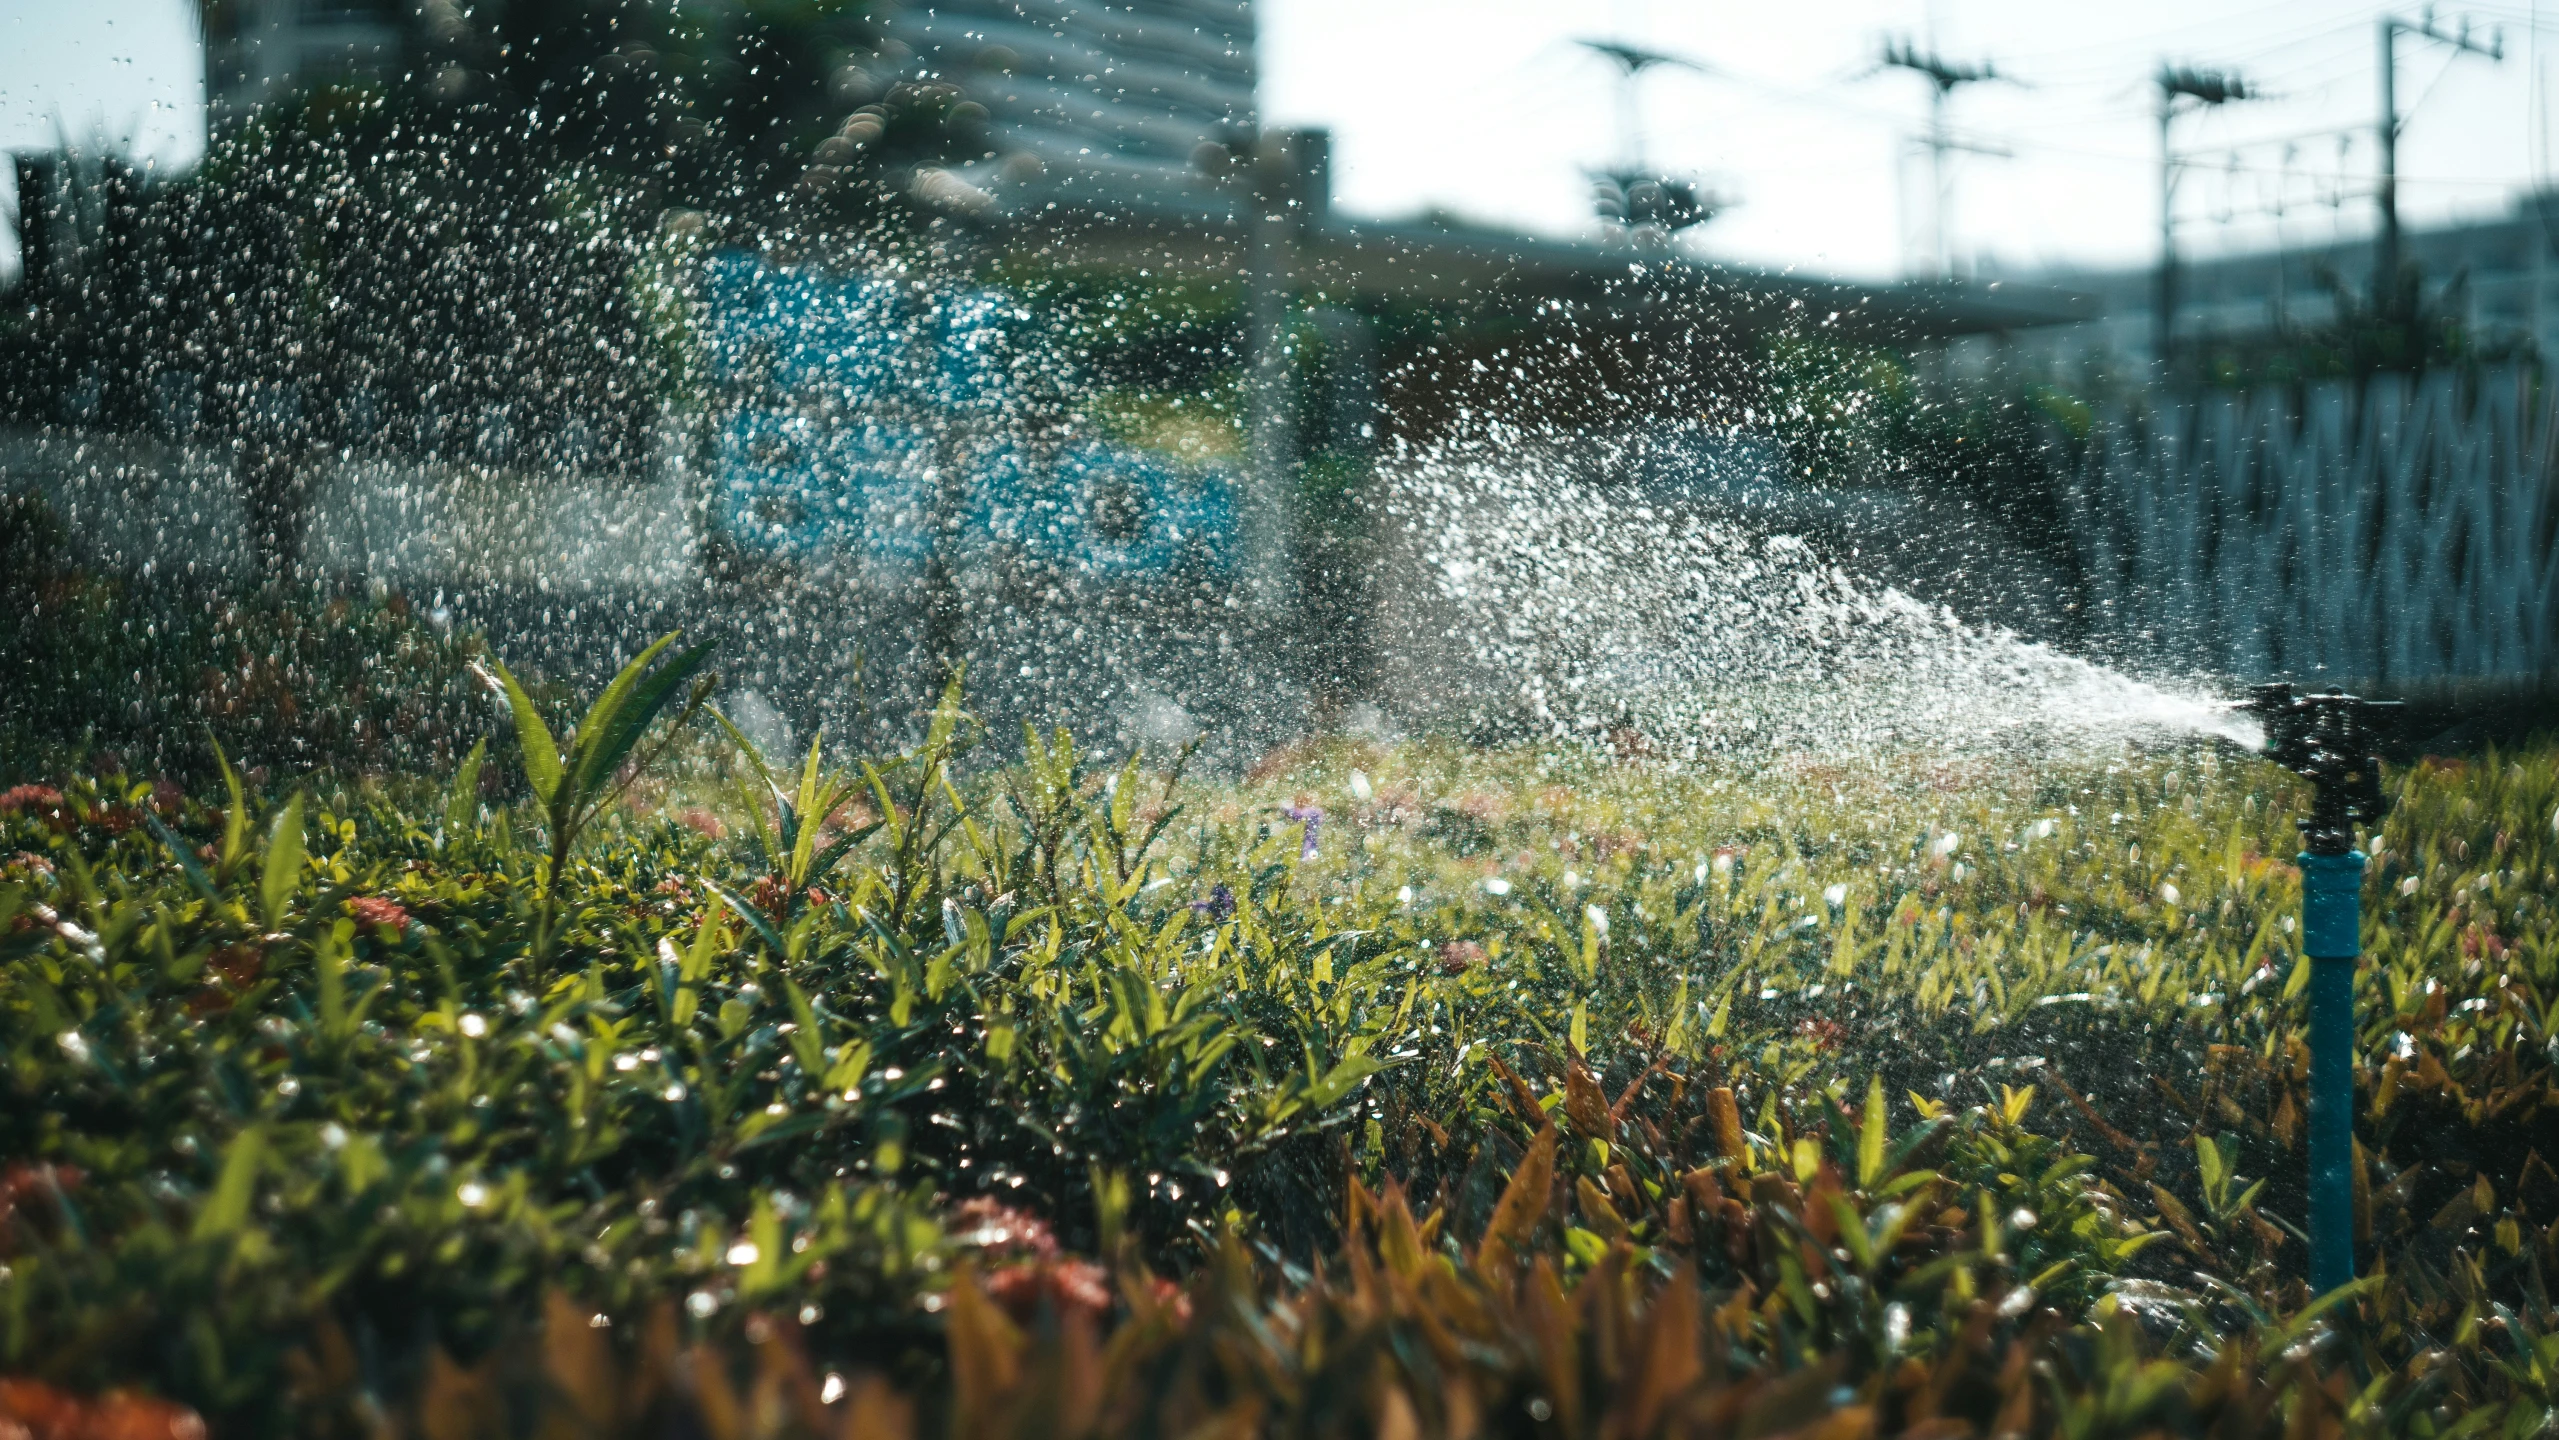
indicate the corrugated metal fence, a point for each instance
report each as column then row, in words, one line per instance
column 2394, row 534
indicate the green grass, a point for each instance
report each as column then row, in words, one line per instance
column 1573, row 1095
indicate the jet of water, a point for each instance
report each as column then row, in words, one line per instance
column 1547, row 604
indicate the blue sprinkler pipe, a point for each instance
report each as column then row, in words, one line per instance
column 2332, row 938
column 2329, row 740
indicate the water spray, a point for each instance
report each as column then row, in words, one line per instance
column 2330, row 740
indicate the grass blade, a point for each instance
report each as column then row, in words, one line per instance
column 462, row 807
column 283, row 872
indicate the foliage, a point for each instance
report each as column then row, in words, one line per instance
column 2406, row 331
column 137, row 669
column 1669, row 1102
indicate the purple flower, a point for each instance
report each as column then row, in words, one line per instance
column 1219, row 906
column 1313, row 815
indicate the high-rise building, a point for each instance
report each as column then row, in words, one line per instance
column 256, row 51
column 1129, row 105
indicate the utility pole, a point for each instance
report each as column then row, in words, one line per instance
column 2385, row 273
column 1943, row 77
column 1286, row 167
column 2205, row 87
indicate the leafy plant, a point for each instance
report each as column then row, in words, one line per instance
column 571, row 790
column 1083, row 1093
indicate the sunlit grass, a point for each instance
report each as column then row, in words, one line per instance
column 811, row 1035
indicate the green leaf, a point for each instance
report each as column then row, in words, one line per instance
column 177, row 849
column 283, row 872
column 621, row 715
column 331, row 959
column 235, row 820
column 1870, row 1134
column 816, row 805
column 946, row 720
column 462, row 807
column 752, row 798
column 851, row 1064
column 541, row 755
column 696, row 964
column 227, row 1210
column 606, row 710
column 2208, row 1165
column 827, row 859
column 806, row 1043
column 750, row 915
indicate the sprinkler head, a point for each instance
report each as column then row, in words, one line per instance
column 2330, row 740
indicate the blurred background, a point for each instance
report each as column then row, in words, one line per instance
column 1120, row 354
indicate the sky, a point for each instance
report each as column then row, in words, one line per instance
column 1490, row 110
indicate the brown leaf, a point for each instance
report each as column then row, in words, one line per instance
column 1634, row 1087
column 1399, row 1243
column 2457, row 1213
column 1597, row 1213
column 986, row 1353
column 1523, row 1100
column 874, row 1410
column 577, row 1364
column 1667, row 1361
column 2362, row 1196
column 715, row 1401
column 123, row 1415
column 1727, row 1118
column 2537, row 1187
column 2088, row 1112
column 1522, row 1205
column 2173, row 1210
column 1395, row 1417
column 459, row 1404
column 1585, row 1104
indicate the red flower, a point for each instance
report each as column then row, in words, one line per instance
column 380, row 913
column 29, row 797
column 1072, row 1288
column 40, row 1412
column 1168, row 1295
column 1456, row 957
column 240, row 964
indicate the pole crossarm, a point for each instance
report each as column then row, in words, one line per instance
column 2386, row 283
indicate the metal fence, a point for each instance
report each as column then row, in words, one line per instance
column 2396, row 533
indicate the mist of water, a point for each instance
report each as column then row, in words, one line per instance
column 1576, row 611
